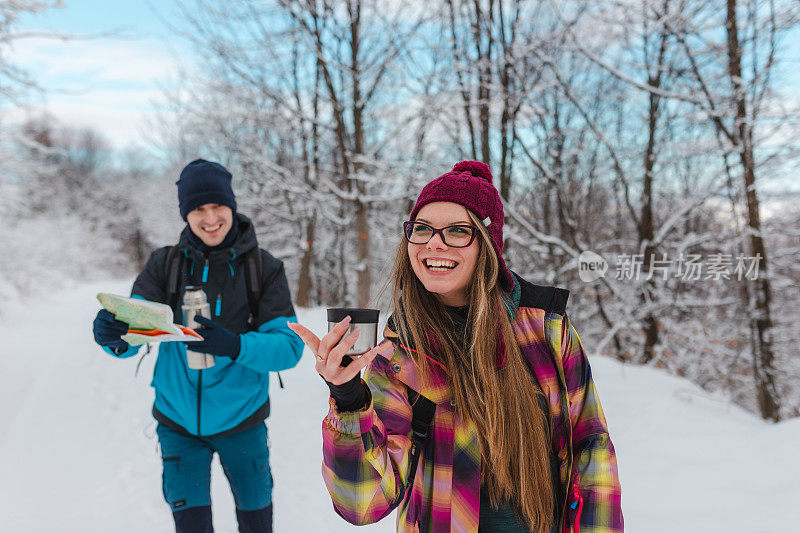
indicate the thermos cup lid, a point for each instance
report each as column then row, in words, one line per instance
column 194, row 296
column 358, row 315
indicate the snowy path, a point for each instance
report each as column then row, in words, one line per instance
column 79, row 450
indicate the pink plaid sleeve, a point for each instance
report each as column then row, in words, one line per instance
column 365, row 453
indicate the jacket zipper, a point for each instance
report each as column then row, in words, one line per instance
column 576, row 505
column 200, row 372
column 218, row 305
column 199, row 389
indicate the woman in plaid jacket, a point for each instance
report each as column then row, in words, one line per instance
column 518, row 440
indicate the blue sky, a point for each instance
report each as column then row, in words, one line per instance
column 114, row 84
column 111, row 83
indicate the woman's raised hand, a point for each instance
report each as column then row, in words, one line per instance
column 330, row 350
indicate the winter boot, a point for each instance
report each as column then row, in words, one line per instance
column 193, row 520
column 258, row 521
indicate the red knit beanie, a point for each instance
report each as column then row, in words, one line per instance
column 470, row 184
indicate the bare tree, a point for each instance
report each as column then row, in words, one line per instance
column 495, row 73
column 752, row 35
column 612, row 128
column 716, row 46
column 301, row 96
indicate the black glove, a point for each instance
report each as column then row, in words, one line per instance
column 108, row 331
column 350, row 396
column 216, row 340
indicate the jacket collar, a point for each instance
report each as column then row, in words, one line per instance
column 398, row 363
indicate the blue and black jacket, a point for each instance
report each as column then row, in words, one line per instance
column 233, row 394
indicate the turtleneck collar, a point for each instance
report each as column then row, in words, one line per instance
column 459, row 314
column 459, row 317
column 198, row 244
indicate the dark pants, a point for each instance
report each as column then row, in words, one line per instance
column 244, row 457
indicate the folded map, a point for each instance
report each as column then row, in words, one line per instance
column 147, row 321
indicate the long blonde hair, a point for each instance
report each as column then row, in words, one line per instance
column 503, row 403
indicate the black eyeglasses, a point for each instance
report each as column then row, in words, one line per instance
column 457, row 235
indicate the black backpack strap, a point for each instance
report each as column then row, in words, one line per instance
column 172, row 271
column 252, row 277
column 422, row 411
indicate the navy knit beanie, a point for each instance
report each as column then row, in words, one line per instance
column 204, row 182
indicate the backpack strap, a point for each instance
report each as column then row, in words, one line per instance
column 252, row 277
column 172, row 270
column 422, row 411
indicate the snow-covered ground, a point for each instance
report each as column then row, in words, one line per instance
column 79, row 451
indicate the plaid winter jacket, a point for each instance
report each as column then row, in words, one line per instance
column 366, row 453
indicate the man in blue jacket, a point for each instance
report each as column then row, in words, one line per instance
column 222, row 408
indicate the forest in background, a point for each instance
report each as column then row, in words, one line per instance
column 657, row 139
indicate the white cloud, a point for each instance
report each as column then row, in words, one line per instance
column 110, row 85
column 96, row 60
column 118, row 126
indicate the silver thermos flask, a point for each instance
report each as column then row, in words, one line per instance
column 196, row 303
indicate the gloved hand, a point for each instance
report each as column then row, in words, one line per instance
column 216, row 339
column 108, row 330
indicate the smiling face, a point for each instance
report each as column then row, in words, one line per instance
column 210, row 222
column 443, row 270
